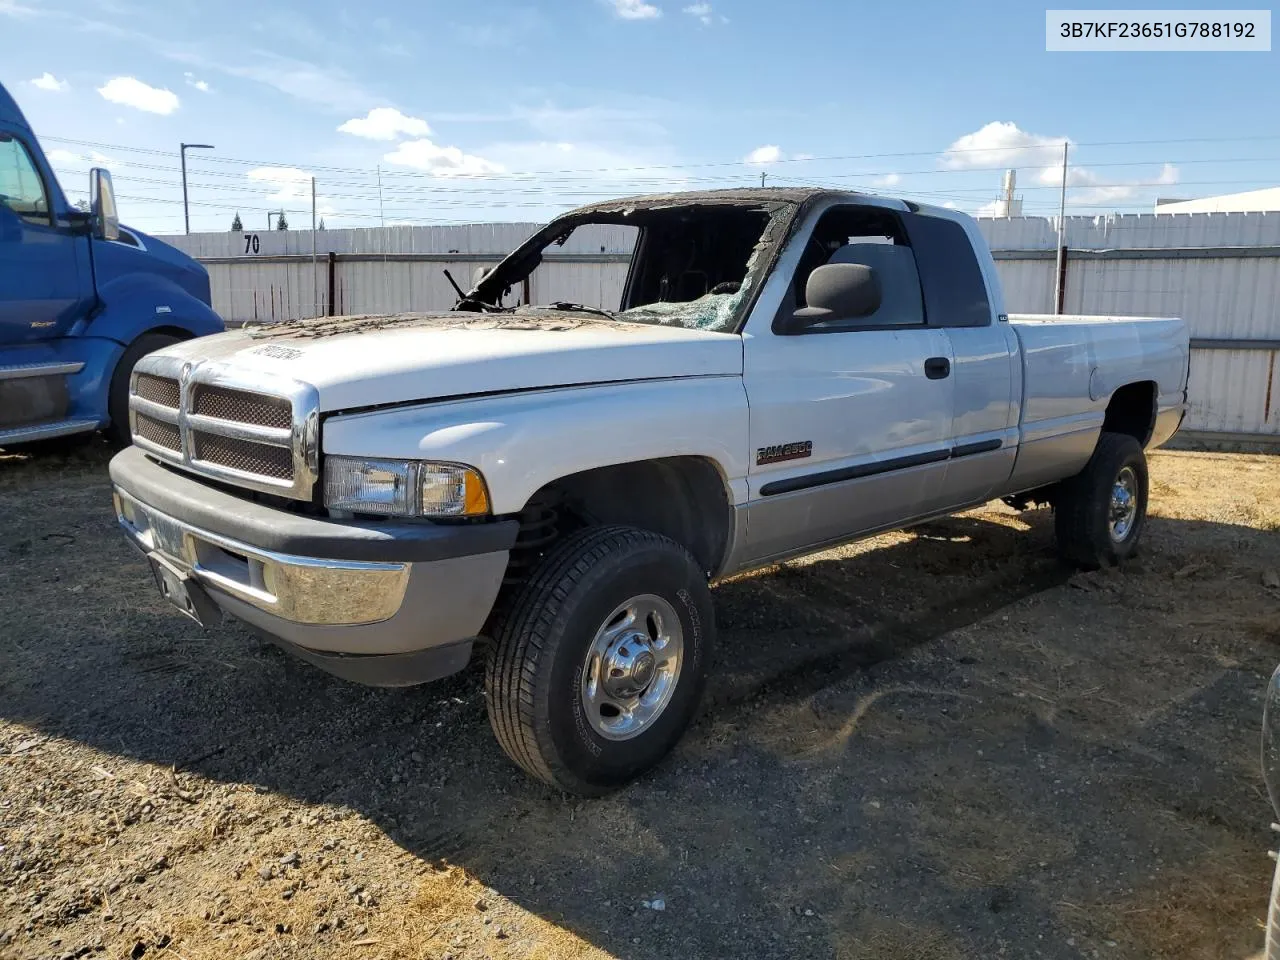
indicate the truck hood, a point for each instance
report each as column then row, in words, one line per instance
column 369, row 361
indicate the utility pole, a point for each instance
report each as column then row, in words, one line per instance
column 382, row 219
column 762, row 176
column 315, row 277
column 382, row 233
column 183, row 148
column 1059, row 274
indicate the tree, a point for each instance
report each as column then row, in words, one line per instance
column 83, row 206
column 321, row 227
column 281, row 222
column 236, row 225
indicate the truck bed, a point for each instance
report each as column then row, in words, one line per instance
column 1072, row 365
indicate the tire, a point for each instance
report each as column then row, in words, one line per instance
column 1091, row 529
column 117, row 431
column 552, row 643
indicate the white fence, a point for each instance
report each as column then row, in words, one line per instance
column 1220, row 272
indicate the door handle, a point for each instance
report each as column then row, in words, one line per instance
column 937, row 368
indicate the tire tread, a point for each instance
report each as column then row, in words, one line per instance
column 523, row 638
column 1075, row 519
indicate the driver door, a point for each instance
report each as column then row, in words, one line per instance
column 850, row 418
column 41, row 278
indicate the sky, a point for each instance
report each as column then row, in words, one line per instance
column 424, row 111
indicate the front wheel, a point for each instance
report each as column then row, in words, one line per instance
column 599, row 664
column 1100, row 512
column 117, row 430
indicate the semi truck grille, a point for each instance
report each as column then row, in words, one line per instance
column 158, row 432
column 255, row 431
column 243, row 455
column 159, row 390
column 242, row 407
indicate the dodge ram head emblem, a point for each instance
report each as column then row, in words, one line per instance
column 784, row 451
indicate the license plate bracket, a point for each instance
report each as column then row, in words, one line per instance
column 180, row 588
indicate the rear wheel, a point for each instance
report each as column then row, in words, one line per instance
column 117, row 430
column 1101, row 511
column 599, row 663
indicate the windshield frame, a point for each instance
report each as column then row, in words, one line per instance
column 782, row 216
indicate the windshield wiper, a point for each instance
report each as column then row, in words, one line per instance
column 468, row 303
column 576, row 308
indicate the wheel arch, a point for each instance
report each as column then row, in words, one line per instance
column 1131, row 410
column 685, row 498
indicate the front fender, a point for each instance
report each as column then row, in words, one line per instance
column 521, row 442
column 132, row 305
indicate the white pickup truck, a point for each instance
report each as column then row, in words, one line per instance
column 786, row 370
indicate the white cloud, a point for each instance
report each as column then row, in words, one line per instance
column 19, row 11
column 440, row 161
column 134, row 93
column 385, row 123
column 1089, row 188
column 635, row 10
column 287, row 183
column 329, row 86
column 47, row 81
column 769, row 153
column 1002, row 144
column 888, row 180
column 701, row 11
column 201, row 85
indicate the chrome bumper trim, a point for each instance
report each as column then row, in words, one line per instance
column 306, row 590
column 16, row 371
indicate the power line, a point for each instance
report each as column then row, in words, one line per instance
column 1046, row 144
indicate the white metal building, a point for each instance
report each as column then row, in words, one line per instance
column 1251, row 201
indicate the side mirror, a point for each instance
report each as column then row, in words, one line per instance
column 839, row 291
column 102, row 201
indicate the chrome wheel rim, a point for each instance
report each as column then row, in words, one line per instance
column 1124, row 505
column 632, row 667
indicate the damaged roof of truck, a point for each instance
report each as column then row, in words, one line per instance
column 761, row 197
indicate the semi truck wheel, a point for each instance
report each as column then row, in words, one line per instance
column 118, row 393
column 1100, row 512
column 599, row 662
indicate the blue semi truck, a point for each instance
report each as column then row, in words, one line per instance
column 81, row 299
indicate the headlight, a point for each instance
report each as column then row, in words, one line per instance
column 404, row 488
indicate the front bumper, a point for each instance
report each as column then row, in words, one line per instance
column 382, row 603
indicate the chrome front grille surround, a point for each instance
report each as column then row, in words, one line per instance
column 246, row 428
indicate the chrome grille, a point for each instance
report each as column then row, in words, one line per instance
column 241, row 407
column 159, row 390
column 252, row 429
column 158, row 432
column 243, row 455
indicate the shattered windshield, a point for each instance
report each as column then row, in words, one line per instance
column 691, row 266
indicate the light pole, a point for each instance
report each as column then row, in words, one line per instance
column 186, row 216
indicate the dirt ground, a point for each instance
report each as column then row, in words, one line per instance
column 933, row 745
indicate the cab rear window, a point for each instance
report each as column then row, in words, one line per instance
column 955, row 294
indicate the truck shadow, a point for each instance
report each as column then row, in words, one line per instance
column 773, row 830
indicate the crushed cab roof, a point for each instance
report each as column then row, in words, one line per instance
column 763, row 196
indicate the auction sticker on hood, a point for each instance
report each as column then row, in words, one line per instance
column 277, row 352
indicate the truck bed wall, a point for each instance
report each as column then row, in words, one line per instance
column 1072, row 367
